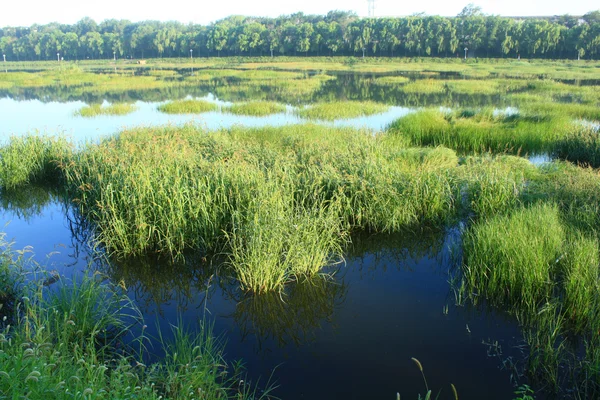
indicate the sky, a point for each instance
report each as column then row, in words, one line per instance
column 204, row 12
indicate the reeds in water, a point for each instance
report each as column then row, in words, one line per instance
column 187, row 107
column 95, row 110
column 341, row 110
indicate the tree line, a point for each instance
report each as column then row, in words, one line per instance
column 339, row 33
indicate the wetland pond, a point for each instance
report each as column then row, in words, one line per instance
column 350, row 336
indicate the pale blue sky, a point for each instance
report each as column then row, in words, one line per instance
column 25, row 13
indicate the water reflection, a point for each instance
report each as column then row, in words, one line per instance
column 26, row 202
column 292, row 317
column 156, row 283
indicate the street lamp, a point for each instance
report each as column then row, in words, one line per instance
column 466, row 49
column 58, row 57
column 191, row 53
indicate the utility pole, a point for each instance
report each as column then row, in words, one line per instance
column 371, row 4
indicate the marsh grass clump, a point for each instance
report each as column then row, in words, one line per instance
column 32, row 159
column 256, row 108
column 573, row 189
column 483, row 130
column 187, row 107
column 95, row 110
column 341, row 110
column 186, row 206
column 279, row 239
column 513, row 258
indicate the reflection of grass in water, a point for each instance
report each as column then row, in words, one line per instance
column 95, row 110
column 391, row 80
column 27, row 201
column 187, row 107
column 256, row 108
column 293, row 316
column 157, row 281
column 341, row 110
column 425, row 86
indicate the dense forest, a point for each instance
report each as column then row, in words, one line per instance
column 338, row 33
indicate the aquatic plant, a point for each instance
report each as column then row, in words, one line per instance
column 32, row 159
column 483, row 130
column 95, row 110
column 256, row 108
column 341, row 110
column 187, row 107
column 512, row 258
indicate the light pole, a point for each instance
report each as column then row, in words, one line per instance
column 191, row 53
column 466, row 49
column 58, row 57
column 363, row 49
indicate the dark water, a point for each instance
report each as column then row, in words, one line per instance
column 349, row 336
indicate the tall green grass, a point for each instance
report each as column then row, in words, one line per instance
column 341, row 110
column 31, row 159
column 256, row 108
column 187, row 107
column 277, row 239
column 514, row 258
column 482, row 130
